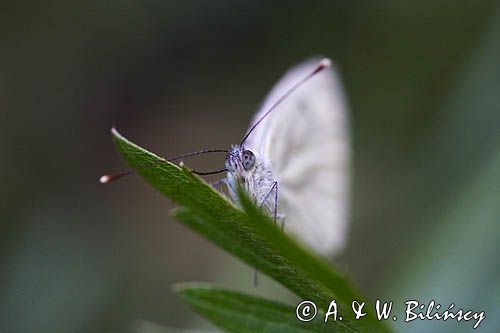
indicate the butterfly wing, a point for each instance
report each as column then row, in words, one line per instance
column 306, row 142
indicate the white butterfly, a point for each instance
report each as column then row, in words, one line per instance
column 294, row 160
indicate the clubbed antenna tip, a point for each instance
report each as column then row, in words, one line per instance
column 106, row 179
column 324, row 63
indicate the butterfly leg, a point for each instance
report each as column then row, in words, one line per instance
column 275, row 212
column 275, row 216
column 274, row 188
column 219, row 183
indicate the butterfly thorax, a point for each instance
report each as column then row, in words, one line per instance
column 253, row 173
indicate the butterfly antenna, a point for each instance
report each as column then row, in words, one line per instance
column 197, row 153
column 106, row 179
column 209, row 172
column 324, row 63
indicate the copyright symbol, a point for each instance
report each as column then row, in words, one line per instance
column 306, row 311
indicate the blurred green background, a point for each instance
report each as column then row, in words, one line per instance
column 423, row 83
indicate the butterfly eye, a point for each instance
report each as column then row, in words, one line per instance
column 248, row 160
column 229, row 164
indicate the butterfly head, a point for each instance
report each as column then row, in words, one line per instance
column 240, row 162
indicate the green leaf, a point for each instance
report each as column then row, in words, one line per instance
column 237, row 312
column 249, row 235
